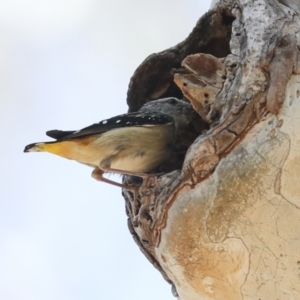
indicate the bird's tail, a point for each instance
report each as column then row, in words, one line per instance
column 57, row 148
column 35, row 147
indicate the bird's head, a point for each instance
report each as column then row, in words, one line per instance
column 181, row 111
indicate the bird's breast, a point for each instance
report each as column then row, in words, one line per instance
column 139, row 149
column 132, row 163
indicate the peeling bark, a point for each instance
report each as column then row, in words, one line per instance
column 226, row 226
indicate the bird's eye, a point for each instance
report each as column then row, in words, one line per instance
column 172, row 101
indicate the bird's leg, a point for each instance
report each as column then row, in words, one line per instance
column 147, row 183
column 146, row 177
column 123, row 172
column 98, row 175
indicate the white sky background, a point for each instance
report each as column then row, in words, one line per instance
column 65, row 64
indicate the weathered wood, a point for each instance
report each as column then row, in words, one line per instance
column 227, row 226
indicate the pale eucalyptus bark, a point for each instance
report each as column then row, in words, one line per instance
column 227, row 226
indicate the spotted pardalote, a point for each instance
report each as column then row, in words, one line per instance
column 131, row 144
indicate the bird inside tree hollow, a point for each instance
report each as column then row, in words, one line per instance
column 129, row 144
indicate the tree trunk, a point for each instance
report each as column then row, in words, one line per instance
column 227, row 225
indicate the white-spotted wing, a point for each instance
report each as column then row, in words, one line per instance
column 126, row 120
